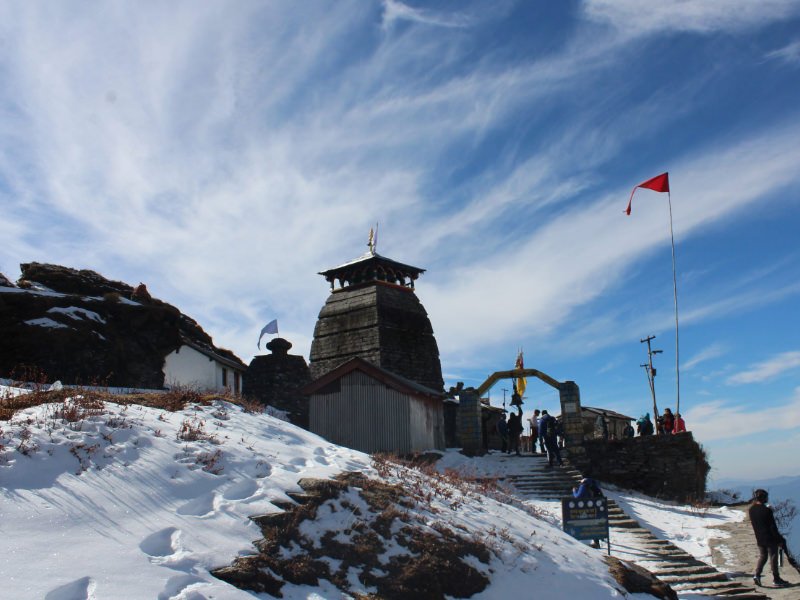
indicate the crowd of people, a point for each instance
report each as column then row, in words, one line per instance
column 547, row 434
column 666, row 424
column 544, row 429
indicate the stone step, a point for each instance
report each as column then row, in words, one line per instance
column 701, row 569
column 655, row 564
column 713, row 587
column 694, row 578
column 674, row 566
column 623, row 523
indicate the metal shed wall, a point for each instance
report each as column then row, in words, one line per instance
column 367, row 415
column 426, row 424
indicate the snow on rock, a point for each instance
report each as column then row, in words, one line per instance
column 135, row 502
column 46, row 322
column 77, row 313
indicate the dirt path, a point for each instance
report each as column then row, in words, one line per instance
column 737, row 554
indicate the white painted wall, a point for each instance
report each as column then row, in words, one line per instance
column 189, row 368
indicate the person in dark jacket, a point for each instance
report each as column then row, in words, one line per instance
column 768, row 538
column 549, row 432
column 502, row 431
column 644, row 425
column 515, row 430
column 628, row 432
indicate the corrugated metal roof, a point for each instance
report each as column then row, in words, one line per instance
column 397, row 382
column 609, row 413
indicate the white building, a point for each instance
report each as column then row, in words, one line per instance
column 194, row 366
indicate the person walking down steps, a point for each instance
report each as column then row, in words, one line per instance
column 768, row 538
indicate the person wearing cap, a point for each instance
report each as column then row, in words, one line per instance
column 767, row 535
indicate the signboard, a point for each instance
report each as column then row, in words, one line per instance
column 585, row 518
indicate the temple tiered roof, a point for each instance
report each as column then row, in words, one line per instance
column 372, row 267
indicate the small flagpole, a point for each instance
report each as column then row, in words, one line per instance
column 675, row 293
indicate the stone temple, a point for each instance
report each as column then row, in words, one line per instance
column 375, row 314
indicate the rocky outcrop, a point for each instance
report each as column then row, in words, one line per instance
column 81, row 328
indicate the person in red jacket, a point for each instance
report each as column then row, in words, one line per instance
column 768, row 538
column 680, row 424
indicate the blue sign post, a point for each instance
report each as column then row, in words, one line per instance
column 586, row 518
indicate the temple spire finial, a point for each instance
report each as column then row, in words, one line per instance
column 372, row 243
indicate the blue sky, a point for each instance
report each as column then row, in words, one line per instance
column 225, row 154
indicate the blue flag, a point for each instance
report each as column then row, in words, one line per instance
column 271, row 327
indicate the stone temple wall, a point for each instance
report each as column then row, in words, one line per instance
column 665, row 466
column 383, row 324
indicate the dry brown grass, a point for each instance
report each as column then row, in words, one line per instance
column 172, row 400
column 436, row 563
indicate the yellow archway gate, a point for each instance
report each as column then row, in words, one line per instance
column 515, row 374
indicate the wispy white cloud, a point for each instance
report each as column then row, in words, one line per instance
column 720, row 419
column 790, row 53
column 588, row 248
column 634, row 19
column 768, row 369
column 393, row 10
column 225, row 156
column 710, row 352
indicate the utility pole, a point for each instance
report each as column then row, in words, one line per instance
column 651, row 373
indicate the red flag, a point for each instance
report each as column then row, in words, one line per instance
column 659, row 183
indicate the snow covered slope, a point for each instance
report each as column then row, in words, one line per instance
column 115, row 501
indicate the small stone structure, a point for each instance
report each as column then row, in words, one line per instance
column 616, row 422
column 375, row 315
column 664, row 466
column 274, row 379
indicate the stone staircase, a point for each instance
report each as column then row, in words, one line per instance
column 684, row 573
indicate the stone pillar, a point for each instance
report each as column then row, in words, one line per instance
column 469, row 422
column 570, row 396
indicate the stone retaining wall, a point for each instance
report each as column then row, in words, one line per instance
column 665, row 466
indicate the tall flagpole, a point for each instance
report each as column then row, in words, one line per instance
column 660, row 183
column 675, row 293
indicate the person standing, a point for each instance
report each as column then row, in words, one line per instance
column 768, row 538
column 515, row 430
column 502, row 431
column 644, row 425
column 534, row 430
column 628, row 432
column 601, row 427
column 547, row 429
